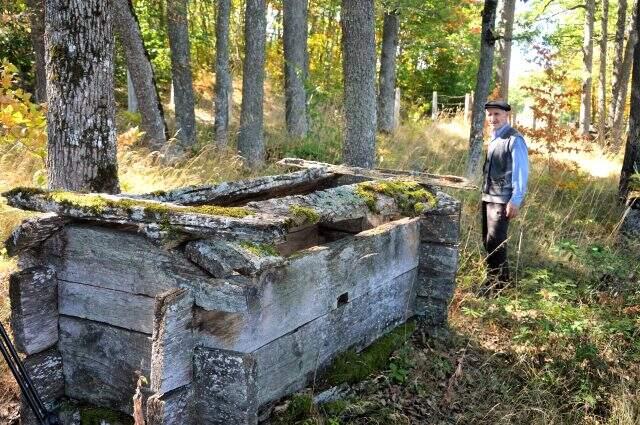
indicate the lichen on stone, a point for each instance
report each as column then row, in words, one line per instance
column 411, row 197
column 260, row 249
column 303, row 215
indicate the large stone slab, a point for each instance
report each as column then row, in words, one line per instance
column 33, row 231
column 438, row 266
column 311, row 285
column 34, row 309
column 173, row 408
column 102, row 363
column 45, row 371
column 440, row 228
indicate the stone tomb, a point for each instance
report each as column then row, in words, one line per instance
column 227, row 297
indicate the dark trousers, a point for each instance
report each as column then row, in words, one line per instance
column 494, row 237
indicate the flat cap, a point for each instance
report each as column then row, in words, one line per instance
column 499, row 104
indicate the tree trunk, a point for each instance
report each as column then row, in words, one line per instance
column 617, row 58
column 602, row 99
column 631, row 162
column 223, row 73
column 359, row 70
column 296, row 66
column 482, row 87
column 625, row 74
column 81, row 114
column 504, row 48
column 36, row 21
column 251, row 137
column 178, row 31
column 142, row 76
column 387, row 81
column 587, row 66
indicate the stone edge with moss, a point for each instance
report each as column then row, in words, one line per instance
column 259, row 249
column 412, row 198
column 301, row 215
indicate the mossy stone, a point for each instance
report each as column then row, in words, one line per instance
column 411, row 197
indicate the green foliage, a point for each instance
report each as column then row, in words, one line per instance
column 15, row 42
column 260, row 249
column 100, row 415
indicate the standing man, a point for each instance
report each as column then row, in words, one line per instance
column 505, row 173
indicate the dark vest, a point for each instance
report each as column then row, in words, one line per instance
column 498, row 167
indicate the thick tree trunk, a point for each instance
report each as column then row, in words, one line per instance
column 602, row 98
column 142, row 76
column 483, row 80
column 359, row 70
column 223, row 73
column 296, row 66
column 178, row 31
column 625, row 74
column 387, row 80
column 618, row 54
column 81, row 114
column 504, row 48
column 587, row 66
column 36, row 21
column 251, row 137
column 631, row 162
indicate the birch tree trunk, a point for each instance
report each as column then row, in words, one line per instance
column 142, row 76
column 483, row 80
column 617, row 58
column 223, row 73
column 296, row 66
column 387, row 79
column 504, row 48
column 602, row 98
column 80, row 90
column 359, row 70
column 587, row 66
column 178, row 31
column 625, row 74
column 631, row 161
column 36, row 22
column 251, row 137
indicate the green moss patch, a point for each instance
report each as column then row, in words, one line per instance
column 303, row 215
column 260, row 249
column 411, row 197
column 100, row 415
column 352, row 367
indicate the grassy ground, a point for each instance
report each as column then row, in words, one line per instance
column 559, row 346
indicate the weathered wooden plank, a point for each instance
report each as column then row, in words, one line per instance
column 32, row 232
column 226, row 387
column 173, row 342
column 34, row 309
column 102, row 363
column 288, row 363
column 234, row 192
column 176, row 407
column 122, row 261
column 118, row 308
column 310, row 285
column 222, row 258
column 421, row 177
column 194, row 221
column 45, row 371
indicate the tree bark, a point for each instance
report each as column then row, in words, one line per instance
column 387, row 79
column 223, row 73
column 631, row 161
column 504, row 48
column 587, row 66
column 359, row 70
column 625, row 74
column 251, row 137
column 602, row 99
column 482, row 87
column 142, row 76
column 36, row 21
column 617, row 58
column 178, row 31
column 296, row 66
column 80, row 91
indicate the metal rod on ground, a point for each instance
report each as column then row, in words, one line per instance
column 24, row 382
column 434, row 106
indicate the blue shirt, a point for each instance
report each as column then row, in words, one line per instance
column 520, row 162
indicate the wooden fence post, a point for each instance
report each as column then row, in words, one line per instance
column 434, row 106
column 467, row 108
column 396, row 109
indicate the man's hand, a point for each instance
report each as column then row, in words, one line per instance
column 512, row 210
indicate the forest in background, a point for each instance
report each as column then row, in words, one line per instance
column 561, row 346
